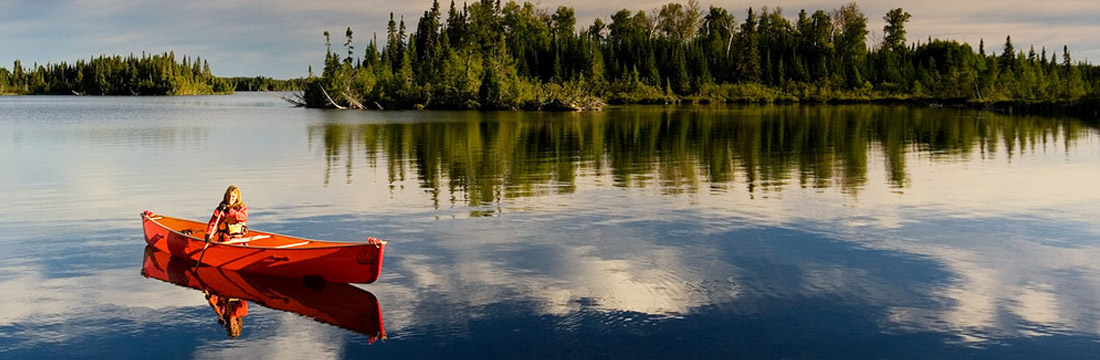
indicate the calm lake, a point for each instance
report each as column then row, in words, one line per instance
column 788, row 231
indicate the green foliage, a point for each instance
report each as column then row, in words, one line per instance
column 116, row 75
column 262, row 83
column 752, row 93
column 895, row 29
column 490, row 55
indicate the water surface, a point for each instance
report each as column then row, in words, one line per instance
column 787, row 231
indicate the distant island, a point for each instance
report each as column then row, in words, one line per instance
column 159, row 74
column 516, row 56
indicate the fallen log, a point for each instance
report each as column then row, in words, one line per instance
column 330, row 101
column 299, row 102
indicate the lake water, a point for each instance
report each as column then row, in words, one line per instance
column 788, row 231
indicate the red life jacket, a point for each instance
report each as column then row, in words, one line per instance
column 233, row 223
column 228, row 307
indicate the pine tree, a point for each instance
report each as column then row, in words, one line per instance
column 349, row 46
column 749, row 61
column 1008, row 57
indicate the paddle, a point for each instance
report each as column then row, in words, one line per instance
column 207, row 238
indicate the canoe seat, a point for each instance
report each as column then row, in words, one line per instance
column 291, row 245
column 247, row 239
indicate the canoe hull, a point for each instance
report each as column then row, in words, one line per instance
column 274, row 255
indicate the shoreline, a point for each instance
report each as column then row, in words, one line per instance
column 1086, row 109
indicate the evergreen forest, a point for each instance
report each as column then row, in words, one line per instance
column 159, row 74
column 493, row 55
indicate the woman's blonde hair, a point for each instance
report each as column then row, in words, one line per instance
column 233, row 190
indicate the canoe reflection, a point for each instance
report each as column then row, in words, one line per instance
column 337, row 304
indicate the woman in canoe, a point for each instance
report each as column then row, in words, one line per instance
column 231, row 312
column 230, row 219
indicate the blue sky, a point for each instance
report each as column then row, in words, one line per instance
column 282, row 38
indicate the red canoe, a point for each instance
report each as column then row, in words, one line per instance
column 337, row 304
column 267, row 253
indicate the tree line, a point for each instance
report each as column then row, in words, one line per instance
column 263, row 83
column 489, row 55
column 156, row 74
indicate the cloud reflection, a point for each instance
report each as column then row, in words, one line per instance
column 62, row 309
column 1003, row 289
column 291, row 339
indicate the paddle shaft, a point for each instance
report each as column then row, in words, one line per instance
column 207, row 238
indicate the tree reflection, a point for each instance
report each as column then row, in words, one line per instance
column 482, row 158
